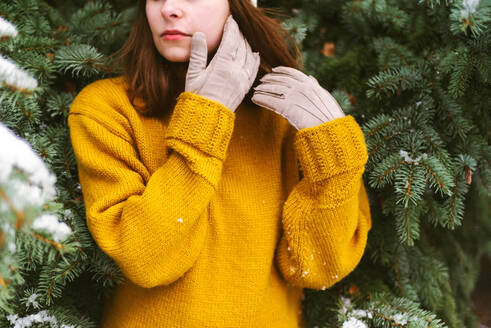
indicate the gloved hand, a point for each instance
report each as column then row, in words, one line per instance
column 231, row 72
column 297, row 97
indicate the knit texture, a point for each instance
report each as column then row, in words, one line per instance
column 206, row 213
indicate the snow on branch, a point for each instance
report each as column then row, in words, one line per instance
column 10, row 74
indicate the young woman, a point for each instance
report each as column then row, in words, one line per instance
column 190, row 175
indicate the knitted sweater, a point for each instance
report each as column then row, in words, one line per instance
column 206, row 213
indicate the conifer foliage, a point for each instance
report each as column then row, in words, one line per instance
column 414, row 74
column 51, row 272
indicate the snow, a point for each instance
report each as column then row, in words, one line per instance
column 469, row 7
column 14, row 76
column 362, row 313
column 409, row 160
column 49, row 223
column 400, row 319
column 16, row 153
column 354, row 323
column 9, row 72
column 346, row 304
column 40, row 317
column 12, row 247
column 354, row 314
column 7, row 29
column 32, row 299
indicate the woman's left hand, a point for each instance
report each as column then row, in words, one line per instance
column 297, row 97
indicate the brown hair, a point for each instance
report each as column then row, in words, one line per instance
column 158, row 82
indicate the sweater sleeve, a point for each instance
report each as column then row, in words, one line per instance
column 152, row 225
column 326, row 217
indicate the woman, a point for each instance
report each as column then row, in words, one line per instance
column 194, row 190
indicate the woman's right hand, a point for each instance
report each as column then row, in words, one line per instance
column 231, row 72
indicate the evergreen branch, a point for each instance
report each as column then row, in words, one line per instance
column 459, row 77
column 409, row 181
column 82, row 60
column 398, row 274
column 383, row 173
column 438, row 174
column 14, row 78
column 396, row 311
column 376, row 124
column 452, row 205
column 433, row 3
column 391, row 80
column 56, row 245
column 455, row 115
column 391, row 320
column 467, row 15
column 407, row 223
column 436, row 145
column 51, row 284
column 455, row 204
column 386, row 47
column 19, row 214
column 381, row 143
column 391, row 170
column 408, row 188
column 433, row 174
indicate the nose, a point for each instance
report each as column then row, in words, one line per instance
column 171, row 9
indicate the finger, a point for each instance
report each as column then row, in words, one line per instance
column 278, row 78
column 249, row 56
column 199, row 55
column 252, row 66
column 250, row 61
column 271, row 89
column 230, row 37
column 264, row 101
column 294, row 73
column 241, row 52
column 318, row 115
column 331, row 107
column 272, row 104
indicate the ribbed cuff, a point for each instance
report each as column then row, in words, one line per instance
column 331, row 148
column 203, row 123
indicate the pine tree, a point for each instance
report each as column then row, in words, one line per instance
column 415, row 75
column 51, row 271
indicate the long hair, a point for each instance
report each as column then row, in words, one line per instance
column 154, row 83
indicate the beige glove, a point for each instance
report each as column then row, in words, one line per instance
column 297, row 97
column 231, row 72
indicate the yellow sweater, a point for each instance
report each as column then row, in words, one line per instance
column 206, row 214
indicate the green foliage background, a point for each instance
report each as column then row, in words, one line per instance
column 416, row 77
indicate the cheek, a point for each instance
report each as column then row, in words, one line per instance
column 150, row 20
column 214, row 34
column 213, row 28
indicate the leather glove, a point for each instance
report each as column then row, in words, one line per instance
column 231, row 72
column 297, row 97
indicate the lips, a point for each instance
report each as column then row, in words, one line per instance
column 174, row 32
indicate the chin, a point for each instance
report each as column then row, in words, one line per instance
column 177, row 55
column 177, row 59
